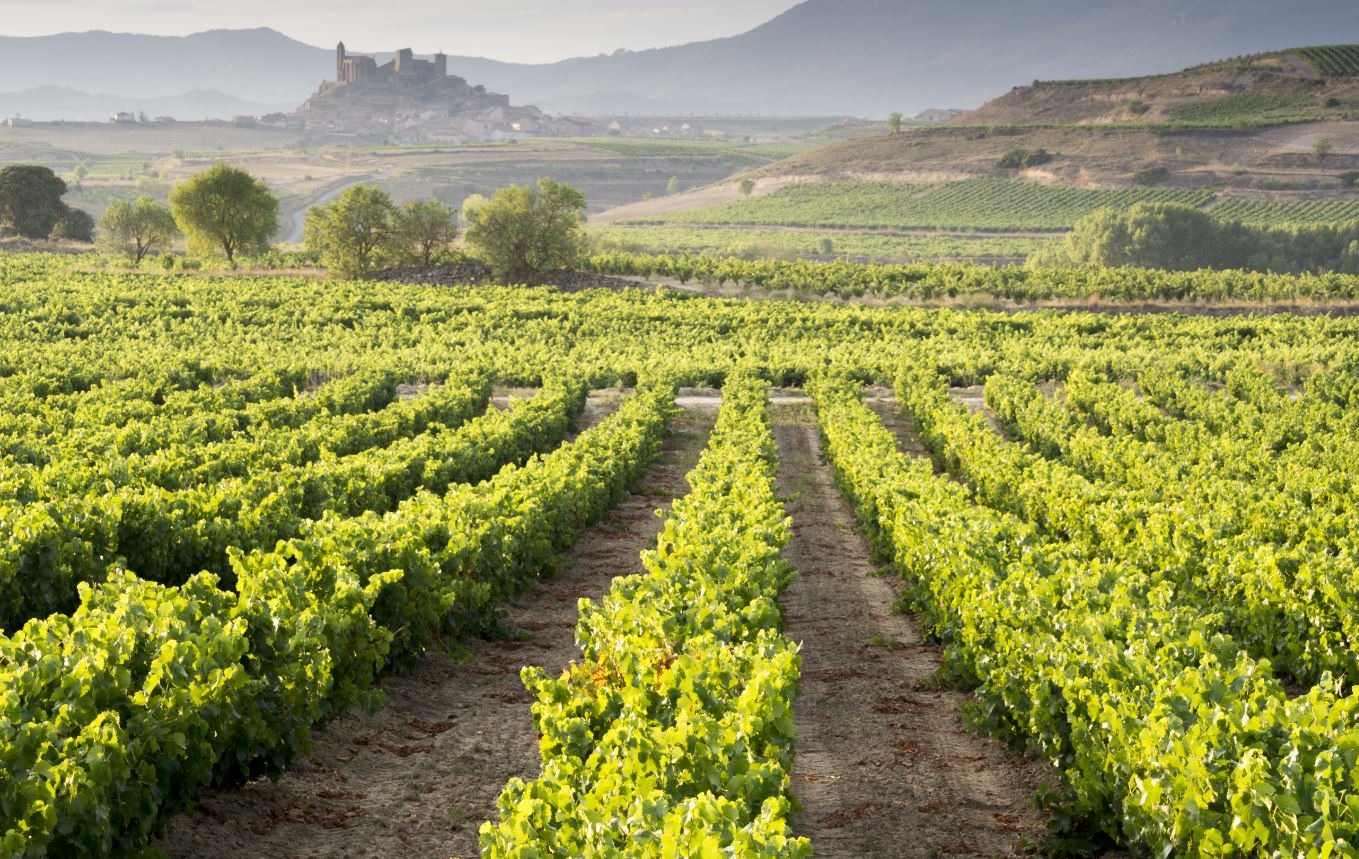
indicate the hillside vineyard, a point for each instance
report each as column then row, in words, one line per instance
column 231, row 506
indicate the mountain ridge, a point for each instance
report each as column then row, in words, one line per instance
column 832, row 57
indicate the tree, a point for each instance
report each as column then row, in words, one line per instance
column 894, row 123
column 30, row 201
column 525, row 231
column 357, row 234
column 427, row 228
column 747, row 187
column 136, row 228
column 75, row 226
column 673, row 186
column 1322, row 148
column 225, row 208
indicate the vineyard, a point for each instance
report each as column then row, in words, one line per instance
column 757, row 242
column 937, row 283
column 1333, row 60
column 240, row 511
column 971, row 204
column 1327, row 210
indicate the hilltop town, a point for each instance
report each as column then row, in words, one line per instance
column 412, row 100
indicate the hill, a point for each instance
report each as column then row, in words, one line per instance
column 1308, row 84
column 1267, row 124
column 831, row 57
column 51, row 103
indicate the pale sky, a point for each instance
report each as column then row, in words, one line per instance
column 517, row 30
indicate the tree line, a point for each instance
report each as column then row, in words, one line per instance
column 1176, row 237
column 521, row 233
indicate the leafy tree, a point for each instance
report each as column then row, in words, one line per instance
column 747, row 187
column 1322, row 148
column 427, row 228
column 357, row 234
column 673, row 186
column 75, row 226
column 526, row 231
column 81, row 171
column 136, row 228
column 30, row 201
column 225, row 208
column 894, row 123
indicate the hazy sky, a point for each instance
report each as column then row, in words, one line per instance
column 520, row 30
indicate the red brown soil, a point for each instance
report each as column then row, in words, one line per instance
column 417, row 778
column 886, row 766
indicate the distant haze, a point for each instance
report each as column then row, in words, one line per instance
column 822, row 57
column 526, row 31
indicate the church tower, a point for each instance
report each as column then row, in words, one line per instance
column 339, row 63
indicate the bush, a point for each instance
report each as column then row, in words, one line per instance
column 1151, row 176
column 1350, row 178
column 76, row 225
column 1023, row 159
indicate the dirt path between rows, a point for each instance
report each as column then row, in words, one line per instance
column 885, row 764
column 417, row 778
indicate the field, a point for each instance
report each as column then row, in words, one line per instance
column 104, row 164
column 973, row 204
column 1322, row 210
column 240, row 507
column 757, row 242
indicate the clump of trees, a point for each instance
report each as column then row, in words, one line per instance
column 31, row 206
column 363, row 232
column 137, row 228
column 1022, row 159
column 1151, row 175
column 225, row 210
column 525, row 232
column 1177, row 237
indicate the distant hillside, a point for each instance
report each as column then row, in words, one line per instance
column 830, row 57
column 1264, row 89
column 51, row 103
column 253, row 65
column 870, row 57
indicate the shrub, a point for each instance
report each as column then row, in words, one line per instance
column 1022, row 159
column 1151, row 176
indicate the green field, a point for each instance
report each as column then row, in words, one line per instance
column 755, row 242
column 1271, row 212
column 973, row 204
column 238, row 506
column 1333, row 60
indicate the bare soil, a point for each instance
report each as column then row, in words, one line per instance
column 886, row 766
column 417, row 778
